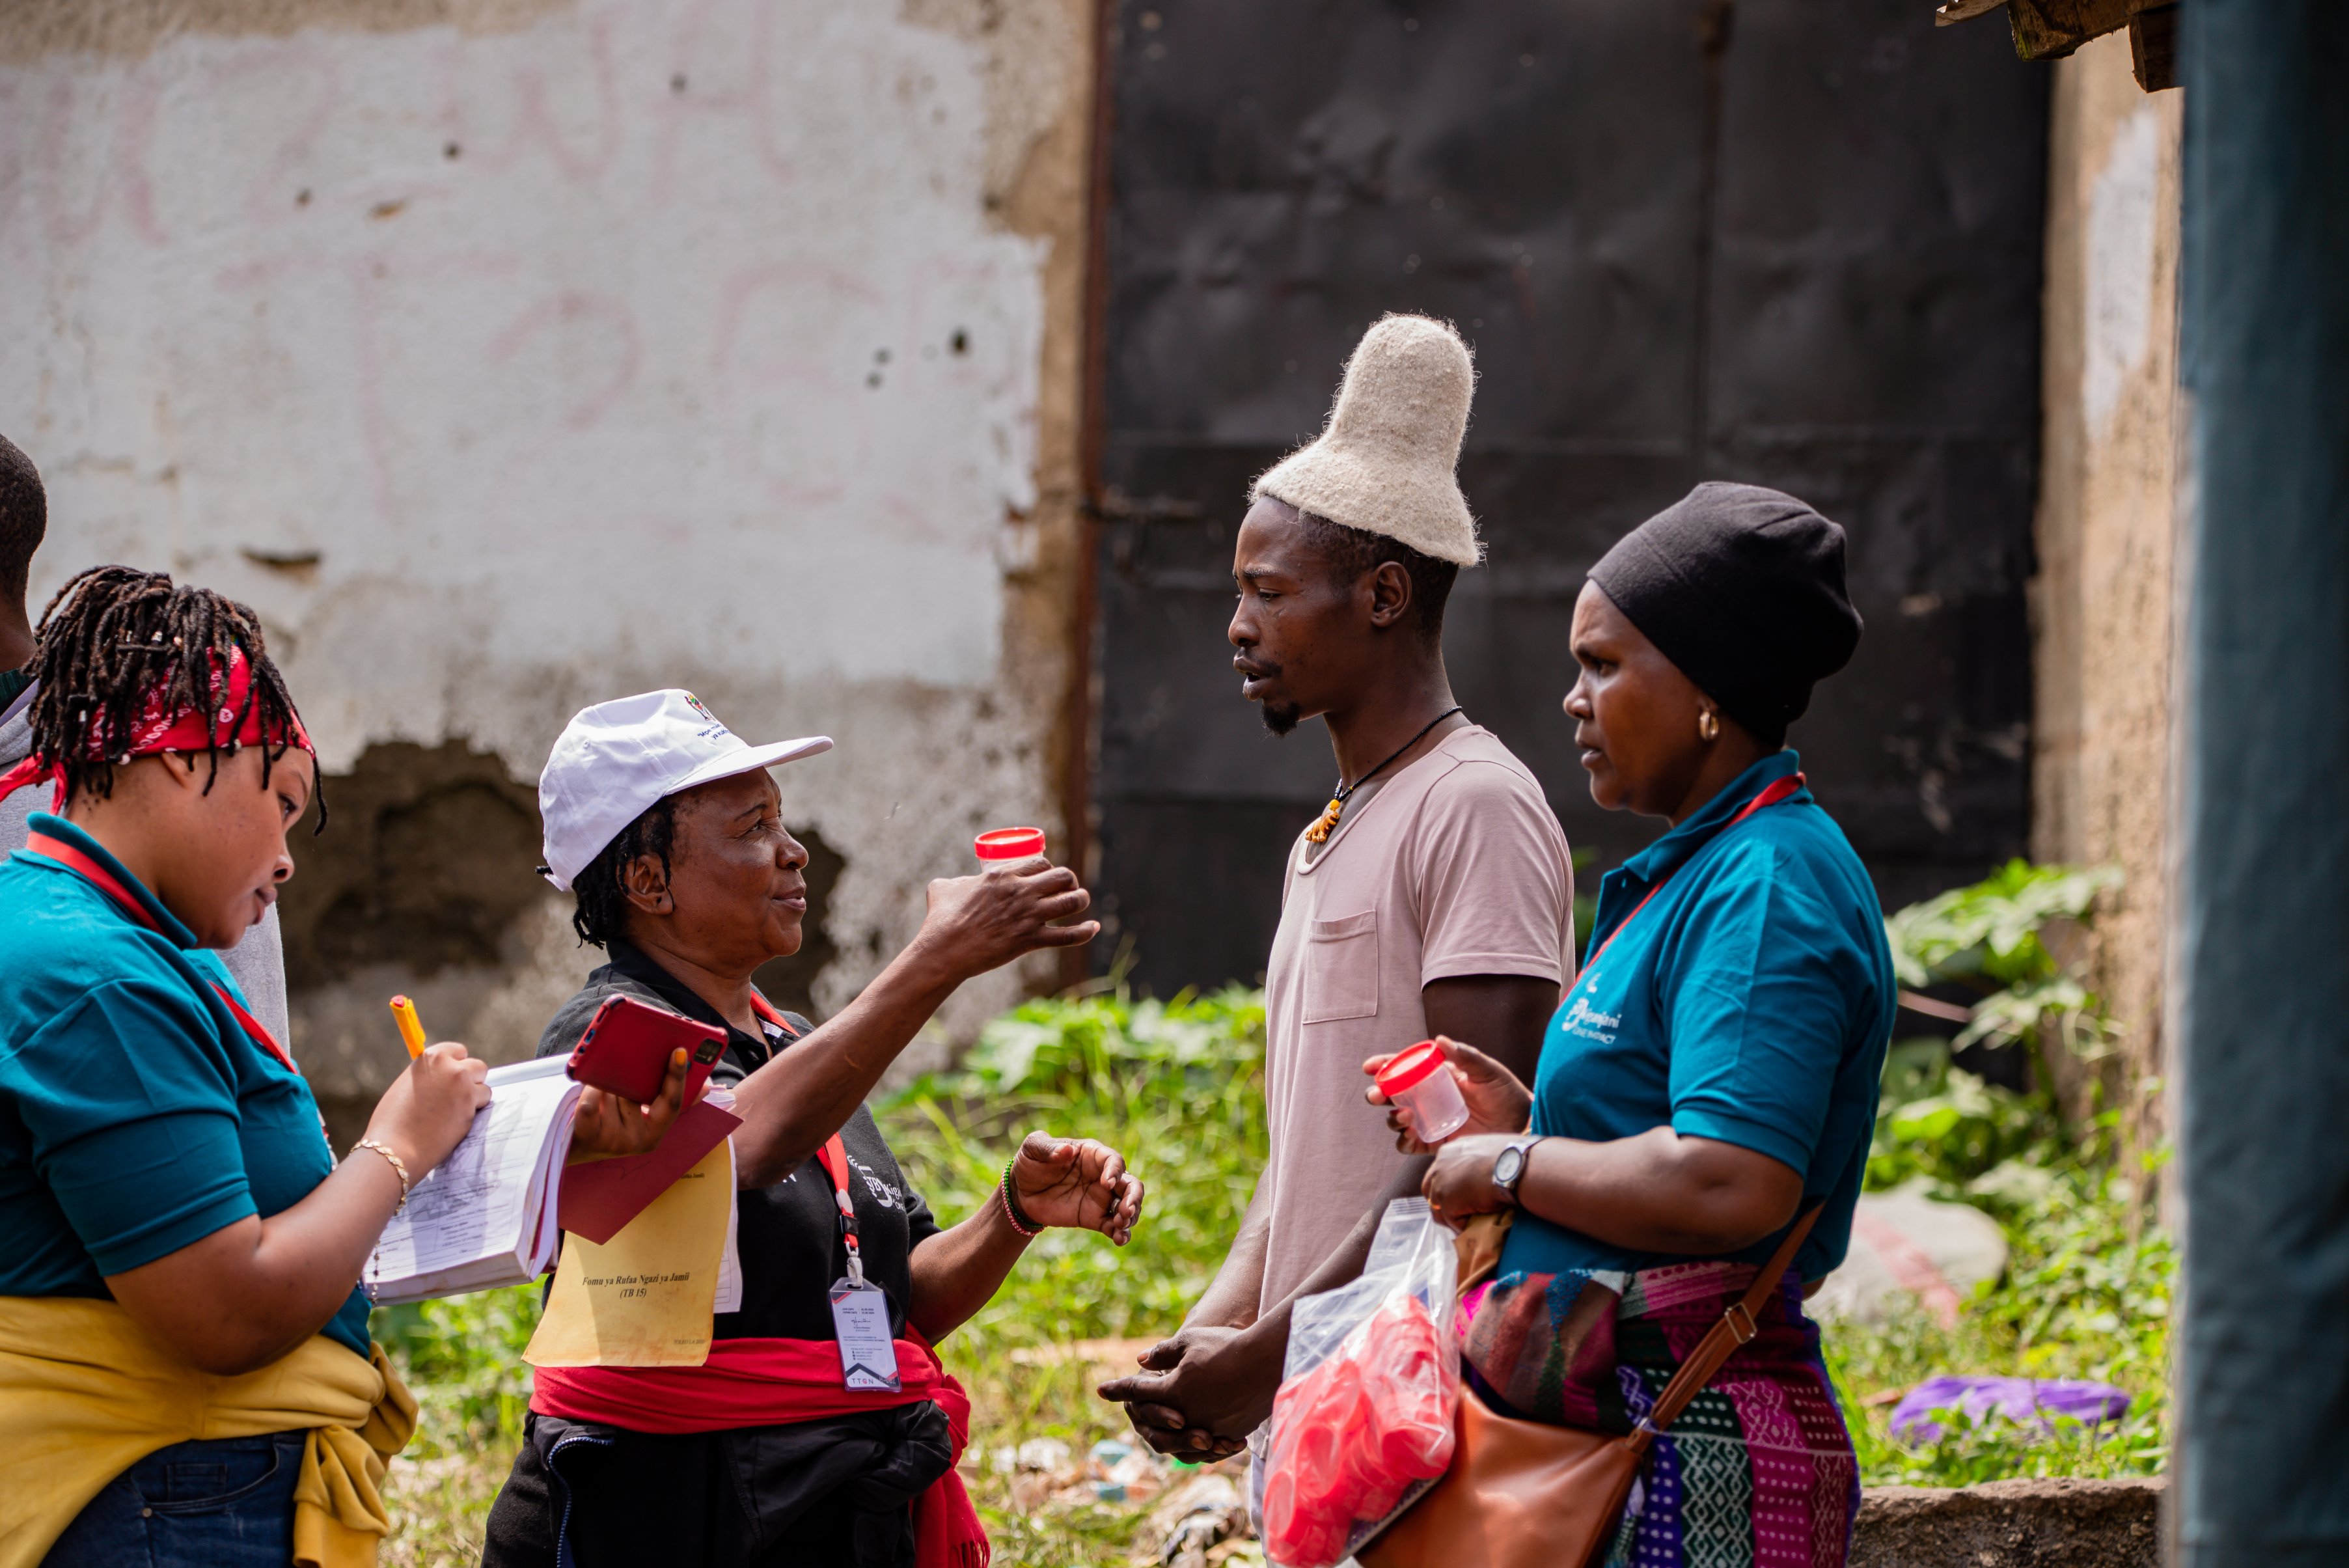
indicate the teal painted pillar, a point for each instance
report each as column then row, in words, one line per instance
column 2262, row 1047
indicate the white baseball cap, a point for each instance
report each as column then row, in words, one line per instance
column 613, row 759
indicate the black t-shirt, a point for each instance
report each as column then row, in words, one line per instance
column 788, row 1234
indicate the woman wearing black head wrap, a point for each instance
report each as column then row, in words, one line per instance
column 1711, row 1075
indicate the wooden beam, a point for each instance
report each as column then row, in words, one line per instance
column 1952, row 11
column 2050, row 30
column 2153, row 46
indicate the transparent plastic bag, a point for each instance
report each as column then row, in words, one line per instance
column 1362, row 1423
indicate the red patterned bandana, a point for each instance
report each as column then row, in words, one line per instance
column 232, row 716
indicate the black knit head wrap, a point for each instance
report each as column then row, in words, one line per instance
column 1742, row 588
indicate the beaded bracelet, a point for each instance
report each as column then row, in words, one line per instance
column 1027, row 1228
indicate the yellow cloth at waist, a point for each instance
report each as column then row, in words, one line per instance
column 85, row 1394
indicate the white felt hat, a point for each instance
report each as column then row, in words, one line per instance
column 613, row 759
column 1385, row 463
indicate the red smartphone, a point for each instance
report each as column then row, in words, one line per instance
column 626, row 1048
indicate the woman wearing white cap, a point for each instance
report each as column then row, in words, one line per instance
column 667, row 829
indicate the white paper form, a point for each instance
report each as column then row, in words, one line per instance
column 484, row 1216
column 729, row 1266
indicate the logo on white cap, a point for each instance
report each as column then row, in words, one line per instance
column 613, row 759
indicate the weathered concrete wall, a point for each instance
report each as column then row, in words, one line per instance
column 509, row 355
column 2102, row 610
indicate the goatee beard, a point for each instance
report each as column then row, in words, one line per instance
column 1282, row 718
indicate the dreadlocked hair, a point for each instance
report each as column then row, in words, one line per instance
column 111, row 636
column 602, row 893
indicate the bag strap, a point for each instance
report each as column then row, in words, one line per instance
column 1737, row 1326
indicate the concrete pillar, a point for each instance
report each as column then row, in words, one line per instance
column 2264, row 926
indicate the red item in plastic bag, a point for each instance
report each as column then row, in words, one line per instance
column 1352, row 1434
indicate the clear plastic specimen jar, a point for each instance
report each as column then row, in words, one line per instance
column 1419, row 1083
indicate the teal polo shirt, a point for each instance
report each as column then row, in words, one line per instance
column 1749, row 1003
column 136, row 1114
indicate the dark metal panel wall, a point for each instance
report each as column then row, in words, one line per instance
column 1790, row 241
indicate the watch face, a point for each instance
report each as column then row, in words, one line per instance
column 1504, row 1168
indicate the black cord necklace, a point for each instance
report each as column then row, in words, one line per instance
column 1327, row 823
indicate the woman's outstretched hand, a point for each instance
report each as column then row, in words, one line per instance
column 978, row 923
column 609, row 1123
column 1076, row 1183
column 1498, row 1102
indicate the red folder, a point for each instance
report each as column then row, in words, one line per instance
column 599, row 1196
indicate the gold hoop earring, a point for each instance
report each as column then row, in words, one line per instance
column 1708, row 728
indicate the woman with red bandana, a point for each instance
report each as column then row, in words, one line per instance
column 185, row 1372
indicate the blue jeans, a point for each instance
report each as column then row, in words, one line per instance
column 226, row 1504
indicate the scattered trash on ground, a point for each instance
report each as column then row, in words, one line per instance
column 1046, row 1475
column 1202, row 1523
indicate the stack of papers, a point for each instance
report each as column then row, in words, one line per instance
column 487, row 1216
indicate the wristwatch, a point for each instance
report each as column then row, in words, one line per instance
column 1509, row 1164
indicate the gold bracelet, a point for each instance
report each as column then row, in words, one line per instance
column 399, row 1168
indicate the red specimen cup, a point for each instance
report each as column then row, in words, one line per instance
column 1420, row 1084
column 1010, row 844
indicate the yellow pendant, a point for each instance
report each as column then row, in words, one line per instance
column 1326, row 823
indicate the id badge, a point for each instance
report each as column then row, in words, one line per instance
column 868, row 1351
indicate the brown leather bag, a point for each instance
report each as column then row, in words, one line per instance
column 1528, row 1494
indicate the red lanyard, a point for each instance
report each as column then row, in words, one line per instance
column 1777, row 791
column 834, row 1153
column 74, row 861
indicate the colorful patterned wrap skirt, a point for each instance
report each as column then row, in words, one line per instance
column 1758, row 1472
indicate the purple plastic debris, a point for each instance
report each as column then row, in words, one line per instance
column 2036, row 1402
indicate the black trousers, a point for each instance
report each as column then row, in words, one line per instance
column 826, row 1494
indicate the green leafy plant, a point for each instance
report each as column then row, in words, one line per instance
column 1176, row 1086
column 1989, row 937
column 1943, row 1124
column 1937, row 1121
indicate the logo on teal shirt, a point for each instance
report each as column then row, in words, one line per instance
column 1589, row 1023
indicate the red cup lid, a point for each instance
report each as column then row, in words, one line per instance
column 1410, row 1066
column 1010, row 842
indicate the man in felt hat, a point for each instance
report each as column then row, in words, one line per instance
column 1433, row 896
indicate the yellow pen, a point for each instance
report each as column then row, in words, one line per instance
column 411, row 1031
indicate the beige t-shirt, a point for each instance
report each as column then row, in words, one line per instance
column 1457, row 866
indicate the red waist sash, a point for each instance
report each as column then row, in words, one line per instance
column 774, row 1382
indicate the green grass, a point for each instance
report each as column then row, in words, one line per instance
column 1178, row 1087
